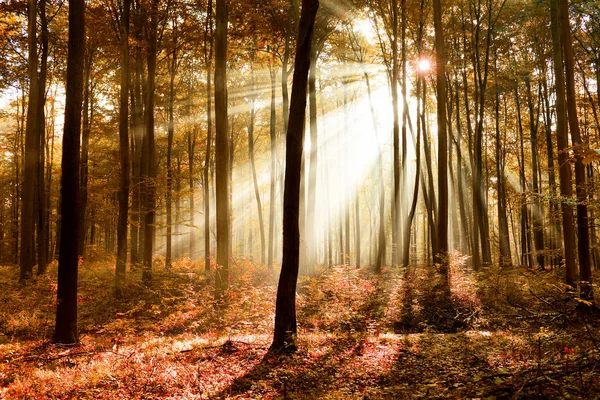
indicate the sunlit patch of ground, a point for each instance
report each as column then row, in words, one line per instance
column 510, row 337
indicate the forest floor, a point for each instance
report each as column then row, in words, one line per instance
column 497, row 334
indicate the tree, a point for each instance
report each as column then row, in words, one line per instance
column 31, row 151
column 66, row 310
column 221, row 147
column 208, row 54
column 564, row 171
column 123, row 150
column 442, row 214
column 583, row 244
column 149, row 146
column 285, row 306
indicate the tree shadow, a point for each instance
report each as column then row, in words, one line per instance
column 304, row 374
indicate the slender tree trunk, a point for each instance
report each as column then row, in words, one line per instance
column 310, row 233
column 137, row 106
column 66, row 310
column 170, row 133
column 396, row 134
column 254, row 177
column 274, row 156
column 413, row 206
column 526, row 253
column 504, row 239
column 537, row 220
column 208, row 54
column 442, row 210
column 191, row 159
column 284, row 336
column 380, row 257
column 85, row 145
column 123, row 151
column 150, row 178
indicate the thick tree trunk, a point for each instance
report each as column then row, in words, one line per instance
column 564, row 171
column 31, row 153
column 583, row 234
column 66, row 310
column 284, row 336
column 221, row 148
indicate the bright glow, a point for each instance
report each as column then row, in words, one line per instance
column 424, row 65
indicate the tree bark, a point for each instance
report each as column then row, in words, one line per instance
column 123, row 151
column 149, row 147
column 253, row 170
column 583, row 234
column 31, row 152
column 564, row 171
column 170, row 133
column 208, row 54
column 221, row 148
column 66, row 310
column 442, row 211
column 284, row 336
column 274, row 156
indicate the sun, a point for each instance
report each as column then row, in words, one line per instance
column 424, row 65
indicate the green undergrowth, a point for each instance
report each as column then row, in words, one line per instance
column 497, row 333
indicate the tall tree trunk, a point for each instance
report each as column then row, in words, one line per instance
column 504, row 239
column 380, row 257
column 208, row 54
column 442, row 210
column 537, row 220
column 42, row 196
column 253, row 170
column 583, row 234
column 150, row 169
column 284, row 336
column 31, row 152
column 170, row 133
column 310, row 233
column 191, row 142
column 564, row 171
column 221, row 148
column 396, row 135
column 123, row 152
column 413, row 206
column 66, row 310
column 274, row 156
column 85, row 145
column 137, row 106
column 553, row 204
column 526, row 253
